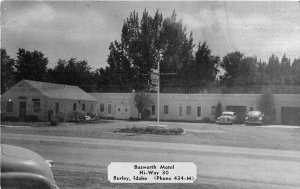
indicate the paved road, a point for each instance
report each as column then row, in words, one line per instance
column 228, row 167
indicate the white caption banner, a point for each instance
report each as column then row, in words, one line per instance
column 152, row 172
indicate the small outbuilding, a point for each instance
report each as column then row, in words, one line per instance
column 41, row 100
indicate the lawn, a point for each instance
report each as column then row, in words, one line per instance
column 74, row 178
column 196, row 133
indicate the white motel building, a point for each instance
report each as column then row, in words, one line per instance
column 38, row 98
column 195, row 107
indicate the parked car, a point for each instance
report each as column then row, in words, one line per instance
column 23, row 168
column 87, row 118
column 254, row 117
column 227, row 118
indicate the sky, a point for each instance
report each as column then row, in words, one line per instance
column 84, row 29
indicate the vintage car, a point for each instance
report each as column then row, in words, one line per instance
column 254, row 118
column 23, row 168
column 227, row 118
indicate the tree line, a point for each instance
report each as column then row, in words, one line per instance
column 144, row 42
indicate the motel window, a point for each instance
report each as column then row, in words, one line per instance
column 153, row 110
column 180, row 110
column 213, row 110
column 109, row 109
column 57, row 107
column 166, row 109
column 83, row 107
column 36, row 105
column 9, row 107
column 188, row 110
column 101, row 107
column 251, row 108
column 74, row 107
column 198, row 111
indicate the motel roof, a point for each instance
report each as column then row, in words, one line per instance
column 60, row 91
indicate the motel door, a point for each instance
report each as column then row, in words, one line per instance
column 290, row 115
column 240, row 112
column 22, row 109
column 122, row 112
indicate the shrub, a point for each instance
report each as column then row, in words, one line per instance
column 108, row 118
column 206, row 119
column 54, row 120
column 178, row 130
column 10, row 118
column 152, row 130
column 92, row 115
column 31, row 118
column 61, row 117
column 142, row 100
column 133, row 119
column 218, row 110
column 146, row 113
column 267, row 106
column 76, row 116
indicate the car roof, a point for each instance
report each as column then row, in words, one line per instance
column 228, row 112
column 254, row 113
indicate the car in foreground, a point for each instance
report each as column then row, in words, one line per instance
column 23, row 168
column 254, row 118
column 227, row 118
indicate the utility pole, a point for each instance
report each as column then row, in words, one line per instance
column 158, row 69
column 158, row 87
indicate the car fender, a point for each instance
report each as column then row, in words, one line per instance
column 25, row 180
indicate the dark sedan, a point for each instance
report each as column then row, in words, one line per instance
column 254, row 117
column 23, row 168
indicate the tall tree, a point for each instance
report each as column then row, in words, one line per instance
column 73, row 72
column 267, row 106
column 142, row 43
column 178, row 54
column 263, row 77
column 204, row 69
column 139, row 40
column 142, row 100
column 242, row 73
column 248, row 75
column 296, row 71
column 120, row 70
column 231, row 64
column 31, row 65
column 286, row 70
column 7, row 71
column 102, row 80
column 273, row 70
